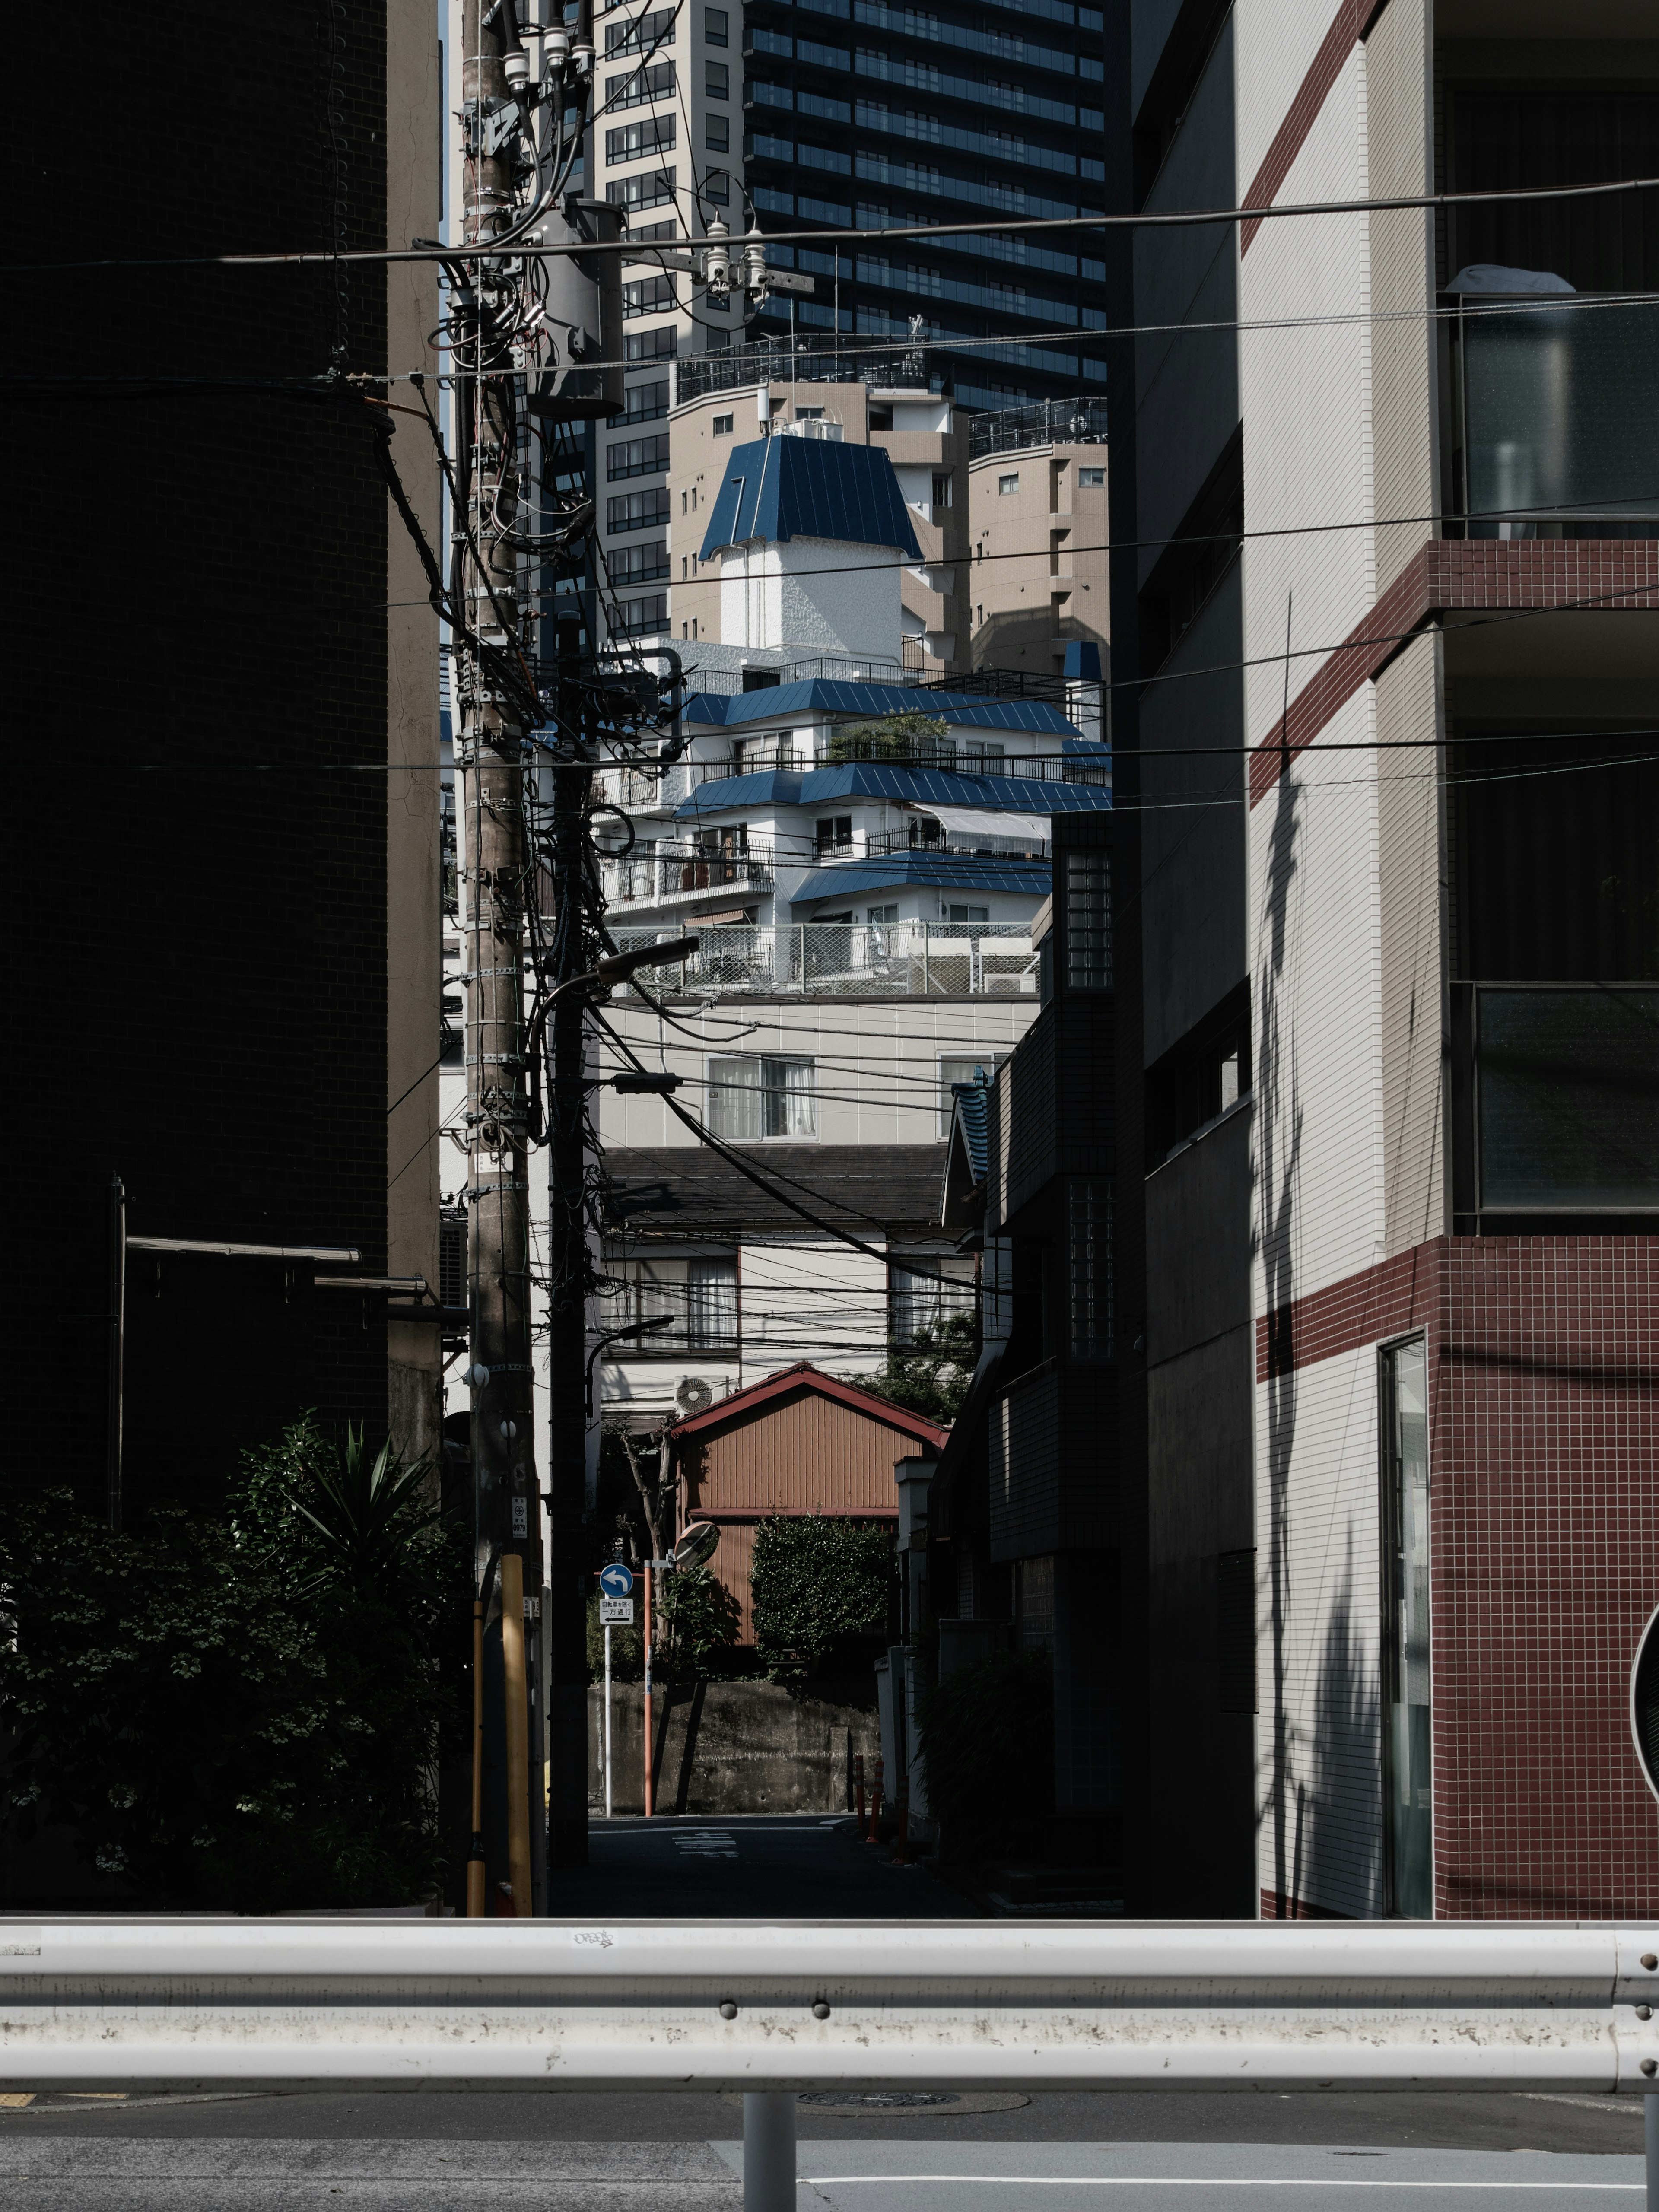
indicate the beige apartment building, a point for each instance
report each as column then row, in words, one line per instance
column 1036, row 534
column 924, row 437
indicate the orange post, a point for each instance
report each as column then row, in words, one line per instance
column 874, row 1835
column 650, row 1793
column 857, row 1787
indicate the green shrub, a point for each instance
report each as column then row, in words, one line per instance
column 823, row 1592
column 930, row 1376
column 988, row 1740
column 914, row 738
column 238, row 1714
column 701, row 1616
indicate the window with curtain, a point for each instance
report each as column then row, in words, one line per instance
column 751, row 1097
column 919, row 1305
column 711, row 1315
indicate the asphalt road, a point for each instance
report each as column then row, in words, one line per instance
column 661, row 2152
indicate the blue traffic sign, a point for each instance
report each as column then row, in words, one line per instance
column 617, row 1580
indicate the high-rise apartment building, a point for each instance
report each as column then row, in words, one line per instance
column 861, row 115
column 1387, row 659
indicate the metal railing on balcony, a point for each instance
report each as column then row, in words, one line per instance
column 748, row 366
column 879, row 960
column 674, row 870
column 966, row 843
column 1046, row 422
column 1557, row 418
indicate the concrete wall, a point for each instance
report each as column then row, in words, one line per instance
column 728, row 1747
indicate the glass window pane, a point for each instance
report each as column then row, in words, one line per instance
column 1408, row 1742
column 734, row 1098
column 1569, row 1098
column 1088, row 920
column 712, row 1304
column 1089, row 1270
column 791, row 1103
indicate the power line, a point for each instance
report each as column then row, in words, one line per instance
column 1167, row 219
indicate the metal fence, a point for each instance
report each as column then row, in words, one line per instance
column 1046, row 422
column 876, row 960
column 346, row 2004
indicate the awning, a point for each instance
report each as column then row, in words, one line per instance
column 986, row 822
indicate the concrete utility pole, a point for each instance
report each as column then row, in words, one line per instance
column 490, row 758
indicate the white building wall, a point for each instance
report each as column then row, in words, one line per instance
column 815, row 594
column 1318, row 1127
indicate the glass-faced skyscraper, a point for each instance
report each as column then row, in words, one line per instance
column 861, row 114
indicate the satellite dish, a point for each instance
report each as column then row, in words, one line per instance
column 693, row 1393
column 695, row 1547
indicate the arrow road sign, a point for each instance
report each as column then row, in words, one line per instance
column 617, row 1580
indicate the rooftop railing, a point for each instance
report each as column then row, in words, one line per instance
column 671, row 869
column 873, row 960
column 1046, row 422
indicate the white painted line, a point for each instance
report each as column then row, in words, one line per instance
column 1182, row 2181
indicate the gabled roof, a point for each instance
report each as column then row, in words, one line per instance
column 781, row 488
column 831, row 695
column 803, row 1376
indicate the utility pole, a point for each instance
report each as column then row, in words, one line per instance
column 490, row 759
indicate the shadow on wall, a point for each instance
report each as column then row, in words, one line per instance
column 1278, row 1146
column 1347, row 1719
column 1015, row 639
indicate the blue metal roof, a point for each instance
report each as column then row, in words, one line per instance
column 781, row 488
column 822, row 694
column 956, row 871
column 940, row 787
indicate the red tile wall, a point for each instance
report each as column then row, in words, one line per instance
column 1545, row 1548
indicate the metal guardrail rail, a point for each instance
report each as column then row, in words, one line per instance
column 774, row 2009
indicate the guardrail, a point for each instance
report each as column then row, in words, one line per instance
column 772, row 2010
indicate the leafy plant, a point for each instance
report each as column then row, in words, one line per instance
column 702, row 1616
column 823, row 1589
column 238, row 1714
column 987, row 1741
column 931, row 1374
column 914, row 738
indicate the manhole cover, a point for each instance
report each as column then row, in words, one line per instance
column 881, row 2100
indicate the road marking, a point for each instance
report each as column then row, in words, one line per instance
column 1182, row 2181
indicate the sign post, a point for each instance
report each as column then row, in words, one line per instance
column 616, row 1604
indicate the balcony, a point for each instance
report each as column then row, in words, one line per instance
column 814, row 959
column 1559, row 1098
column 922, row 837
column 658, row 874
column 1557, row 418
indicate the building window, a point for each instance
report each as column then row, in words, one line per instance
column 644, row 85
column 1008, row 484
column 717, row 134
column 717, row 80
column 697, row 1297
column 878, row 916
column 636, row 510
column 751, row 1097
column 451, row 1257
column 922, row 1307
column 1034, row 1603
column 722, row 426
column 715, row 28
column 633, row 141
column 941, row 491
column 1088, row 918
column 638, row 564
column 634, row 194
column 651, row 345
column 1407, row 1745
column 1089, row 1270
column 636, row 457
column 1091, row 479
column 711, row 1305
column 833, row 835
column 641, row 617
column 643, row 35
column 966, row 915
column 646, row 403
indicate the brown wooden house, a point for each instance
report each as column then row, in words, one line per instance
column 801, row 1441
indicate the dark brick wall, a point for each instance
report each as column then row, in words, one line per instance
column 198, row 670
column 1544, row 1560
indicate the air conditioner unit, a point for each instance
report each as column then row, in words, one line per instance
column 693, row 1393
